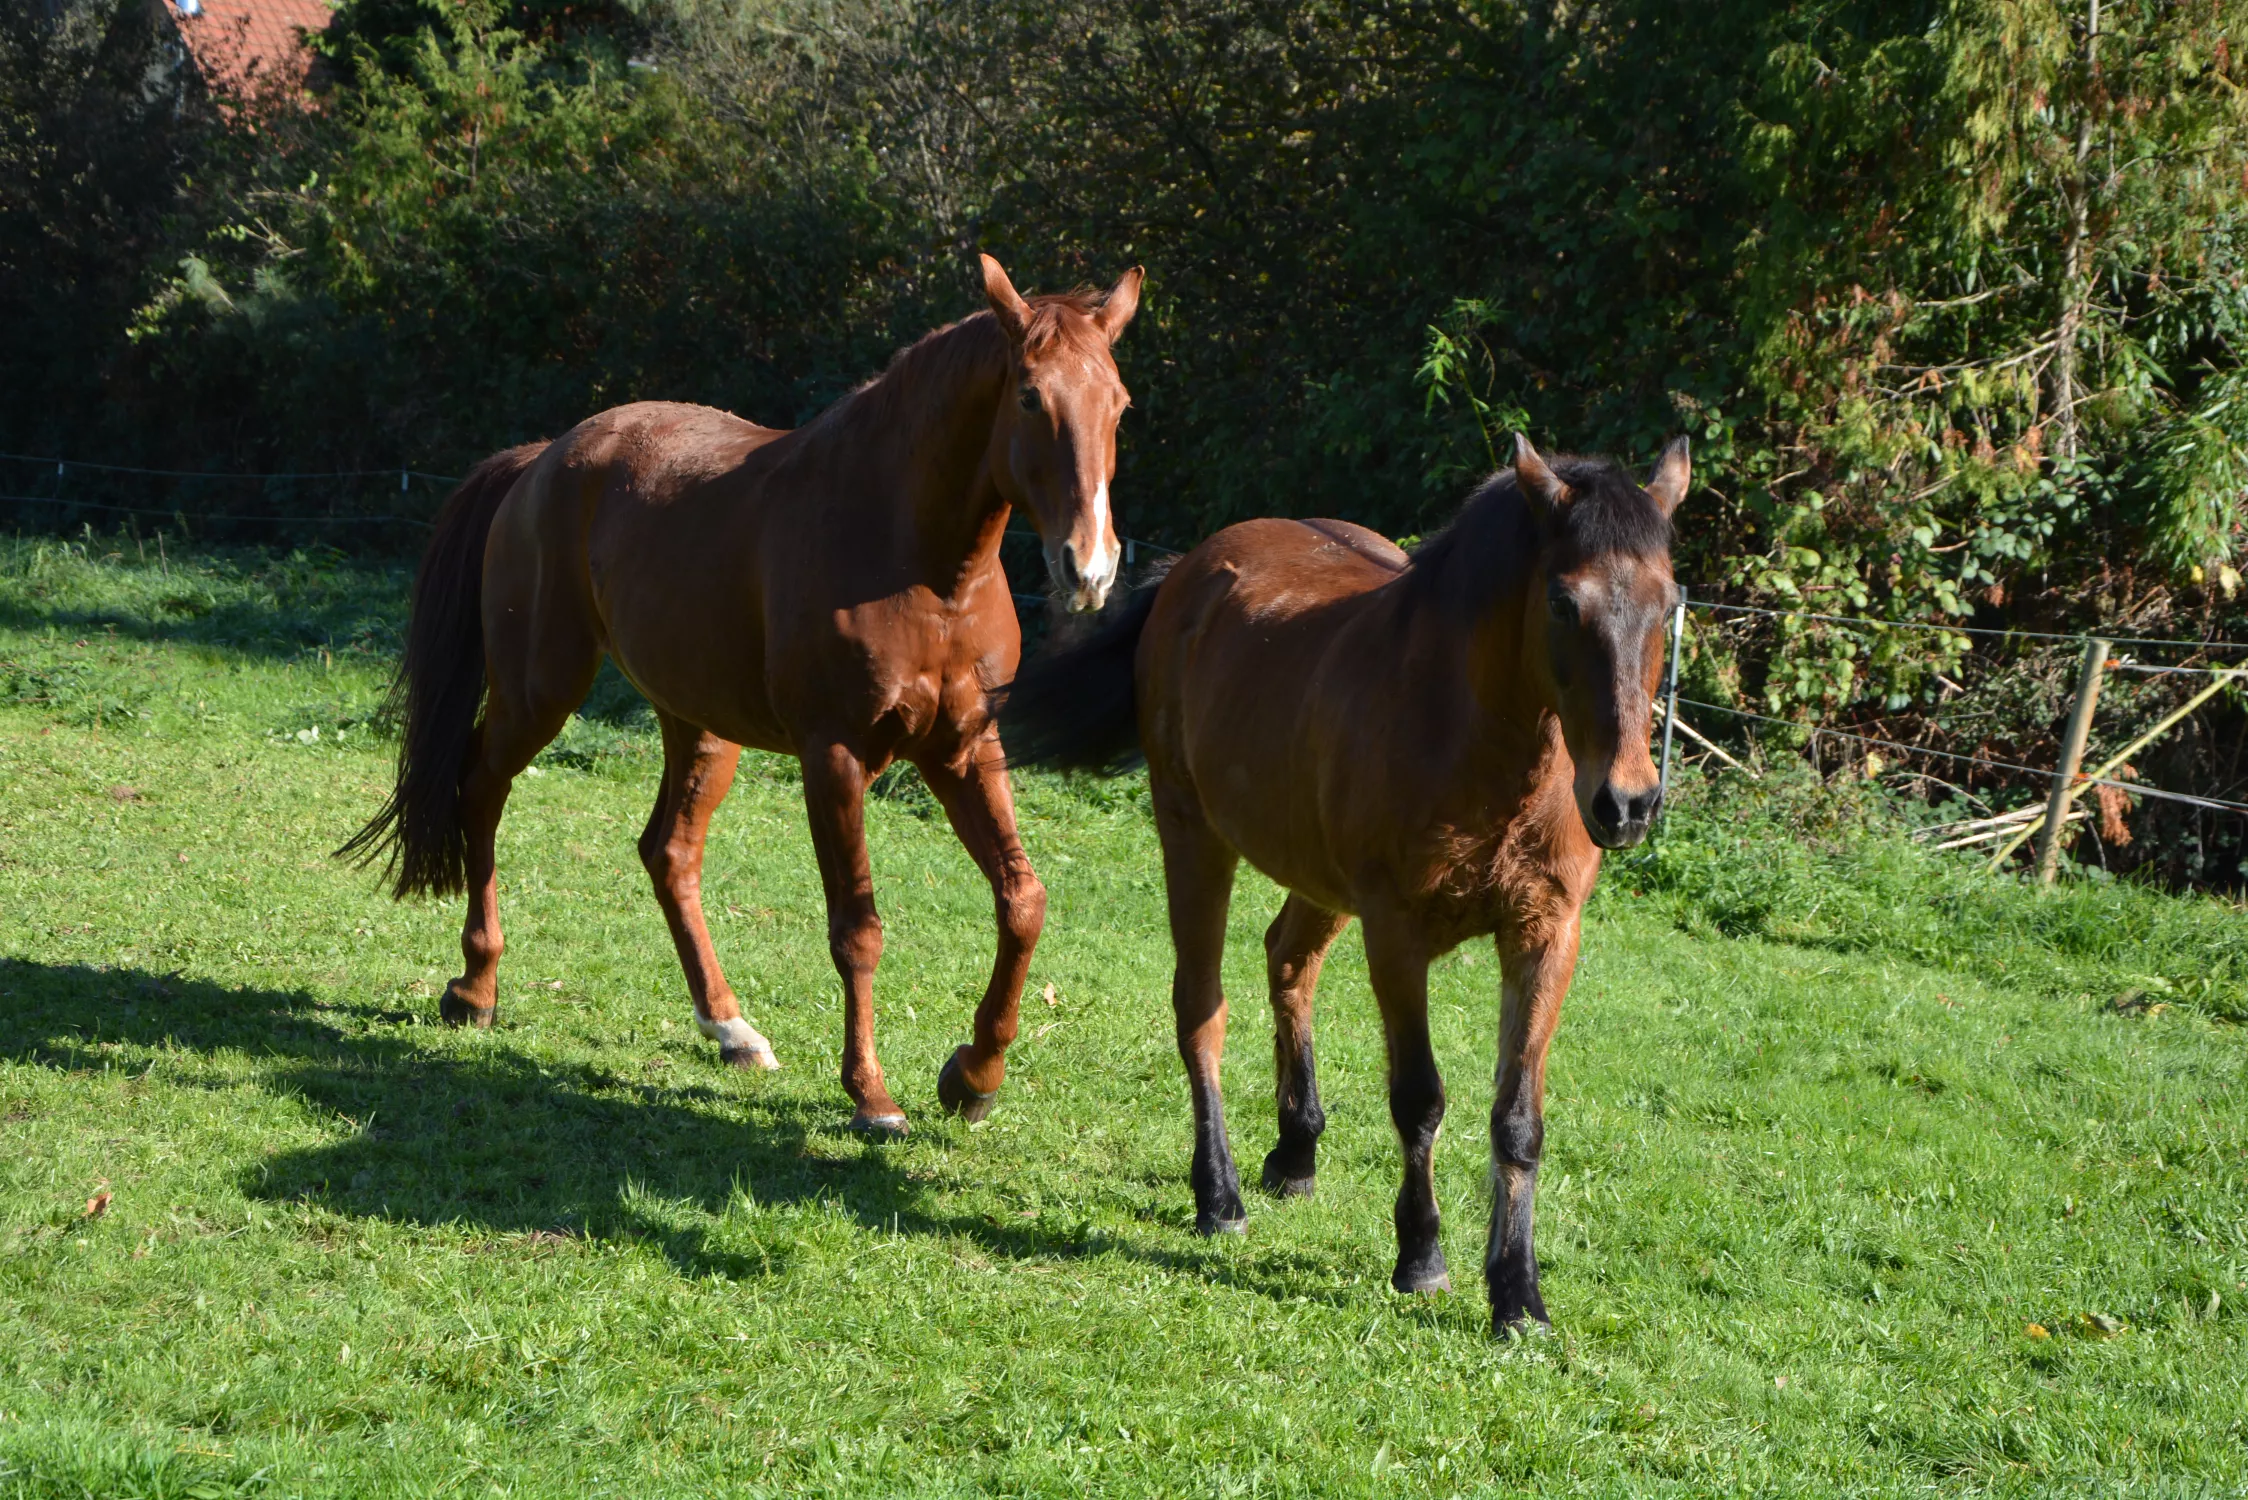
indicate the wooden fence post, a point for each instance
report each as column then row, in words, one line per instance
column 1670, row 704
column 2072, row 757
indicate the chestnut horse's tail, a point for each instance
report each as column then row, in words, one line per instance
column 1077, row 709
column 439, row 690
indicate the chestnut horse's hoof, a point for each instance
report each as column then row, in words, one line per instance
column 1278, row 1183
column 740, row 1045
column 955, row 1095
column 887, row 1126
column 1210, row 1226
column 454, row 1011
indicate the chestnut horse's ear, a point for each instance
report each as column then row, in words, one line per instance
column 1673, row 476
column 1122, row 301
column 1006, row 303
column 1544, row 488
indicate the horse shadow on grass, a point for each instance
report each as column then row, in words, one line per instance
column 494, row 1140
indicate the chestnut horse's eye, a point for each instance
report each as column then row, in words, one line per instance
column 1026, row 397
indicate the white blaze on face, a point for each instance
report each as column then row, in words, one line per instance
column 1106, row 555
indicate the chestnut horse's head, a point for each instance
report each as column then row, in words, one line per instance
column 1054, row 443
column 1596, row 613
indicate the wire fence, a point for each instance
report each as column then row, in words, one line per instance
column 62, row 488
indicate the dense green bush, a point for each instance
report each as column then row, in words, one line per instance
column 1949, row 292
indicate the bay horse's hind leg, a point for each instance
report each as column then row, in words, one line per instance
column 1397, row 962
column 698, row 770
column 1295, row 946
column 982, row 809
column 1535, row 975
column 835, row 800
column 1198, row 869
column 505, row 742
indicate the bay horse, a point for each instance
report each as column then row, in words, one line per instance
column 833, row 592
column 1441, row 744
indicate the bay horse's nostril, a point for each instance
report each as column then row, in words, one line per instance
column 1617, row 812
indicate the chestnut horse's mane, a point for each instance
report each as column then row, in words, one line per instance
column 940, row 361
column 1489, row 546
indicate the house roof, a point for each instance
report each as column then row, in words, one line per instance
column 252, row 51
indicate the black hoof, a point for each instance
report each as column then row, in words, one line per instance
column 1519, row 1311
column 1210, row 1226
column 1522, row 1326
column 1428, row 1274
column 1278, row 1183
column 454, row 1011
column 956, row 1097
column 882, row 1127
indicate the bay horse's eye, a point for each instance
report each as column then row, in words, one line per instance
column 1562, row 607
column 1026, row 397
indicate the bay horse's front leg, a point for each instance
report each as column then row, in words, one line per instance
column 835, row 798
column 1295, row 946
column 698, row 770
column 1198, row 870
column 1535, row 969
column 982, row 808
column 1397, row 962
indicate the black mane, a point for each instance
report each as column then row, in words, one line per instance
column 1495, row 537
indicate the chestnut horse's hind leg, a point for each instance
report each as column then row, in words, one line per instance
column 1535, row 977
column 698, row 769
column 1295, row 946
column 835, row 798
column 1198, row 869
column 982, row 809
column 504, row 745
column 1397, row 961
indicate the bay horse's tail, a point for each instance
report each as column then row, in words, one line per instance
column 1077, row 709
column 440, row 691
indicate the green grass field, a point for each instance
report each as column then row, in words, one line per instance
column 1832, row 1124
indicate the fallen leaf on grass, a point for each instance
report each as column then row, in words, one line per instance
column 2037, row 1331
column 2103, row 1325
column 97, row 1205
column 1050, row 995
column 125, row 793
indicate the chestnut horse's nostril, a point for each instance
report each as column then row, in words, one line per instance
column 1606, row 806
column 1072, row 574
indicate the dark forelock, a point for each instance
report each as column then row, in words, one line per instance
column 1608, row 511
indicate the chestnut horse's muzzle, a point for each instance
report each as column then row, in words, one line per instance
column 1083, row 586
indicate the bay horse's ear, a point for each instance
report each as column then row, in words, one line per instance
column 1673, row 476
column 1539, row 483
column 1122, row 301
column 1007, row 304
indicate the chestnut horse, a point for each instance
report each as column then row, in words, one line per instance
column 832, row 592
column 1440, row 744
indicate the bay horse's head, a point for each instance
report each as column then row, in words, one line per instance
column 1596, row 610
column 1054, row 442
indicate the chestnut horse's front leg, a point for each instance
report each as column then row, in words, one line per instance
column 982, row 809
column 698, row 769
column 1535, row 963
column 1397, row 962
column 835, row 797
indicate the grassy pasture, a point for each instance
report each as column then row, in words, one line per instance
column 1832, row 1123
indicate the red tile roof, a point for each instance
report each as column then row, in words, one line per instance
column 252, row 52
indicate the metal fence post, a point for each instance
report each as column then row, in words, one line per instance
column 1670, row 704
column 2072, row 757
